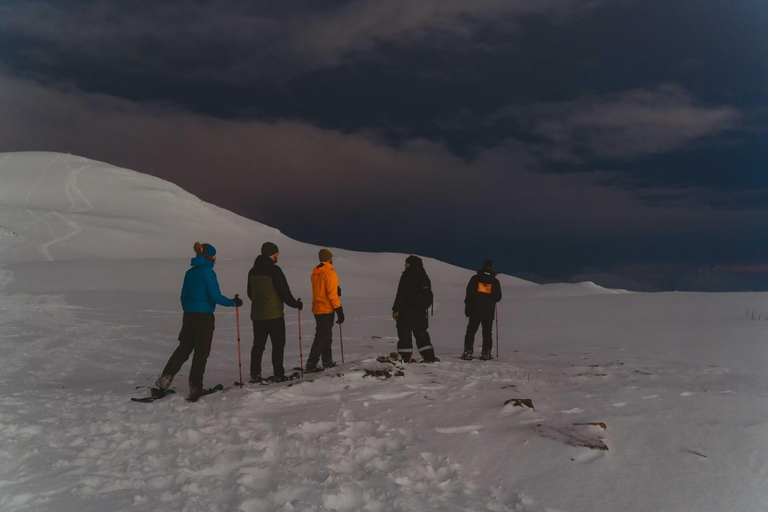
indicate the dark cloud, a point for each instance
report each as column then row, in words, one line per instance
column 559, row 134
column 239, row 41
column 624, row 125
column 291, row 174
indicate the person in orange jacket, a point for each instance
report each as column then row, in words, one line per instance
column 325, row 304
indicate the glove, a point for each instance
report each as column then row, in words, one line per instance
column 339, row 315
column 338, row 291
column 238, row 301
column 395, row 314
column 300, row 306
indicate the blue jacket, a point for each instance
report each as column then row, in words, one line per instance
column 201, row 292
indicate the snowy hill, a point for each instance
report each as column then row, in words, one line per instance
column 641, row 402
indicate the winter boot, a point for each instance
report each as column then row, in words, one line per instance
column 329, row 364
column 195, row 393
column 486, row 355
column 255, row 379
column 433, row 359
column 279, row 378
column 312, row 368
column 161, row 386
column 467, row 355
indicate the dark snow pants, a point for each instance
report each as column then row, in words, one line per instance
column 469, row 338
column 196, row 336
column 275, row 330
column 405, row 342
column 322, row 346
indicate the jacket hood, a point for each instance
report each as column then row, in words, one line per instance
column 201, row 261
column 262, row 261
column 491, row 271
column 323, row 267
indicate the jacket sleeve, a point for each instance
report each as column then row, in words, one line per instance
column 332, row 290
column 471, row 287
column 183, row 290
column 281, row 287
column 497, row 292
column 248, row 289
column 213, row 291
column 400, row 293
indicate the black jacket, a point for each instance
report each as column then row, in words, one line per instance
column 268, row 290
column 483, row 292
column 414, row 297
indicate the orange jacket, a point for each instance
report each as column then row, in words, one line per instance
column 325, row 289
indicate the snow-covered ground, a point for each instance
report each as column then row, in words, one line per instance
column 642, row 402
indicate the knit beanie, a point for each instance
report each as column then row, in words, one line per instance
column 325, row 255
column 269, row 249
column 488, row 264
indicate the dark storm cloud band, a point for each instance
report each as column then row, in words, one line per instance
column 239, row 41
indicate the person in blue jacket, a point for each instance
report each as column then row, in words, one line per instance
column 199, row 296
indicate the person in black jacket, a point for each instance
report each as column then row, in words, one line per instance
column 268, row 290
column 483, row 292
column 414, row 297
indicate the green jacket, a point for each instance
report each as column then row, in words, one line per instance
column 268, row 290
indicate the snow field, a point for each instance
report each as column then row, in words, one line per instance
column 641, row 402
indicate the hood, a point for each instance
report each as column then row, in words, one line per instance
column 262, row 261
column 491, row 271
column 323, row 267
column 201, row 261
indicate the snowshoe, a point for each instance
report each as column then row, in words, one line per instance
column 313, row 369
column 256, row 379
column 152, row 397
column 329, row 364
column 486, row 355
column 282, row 378
column 467, row 355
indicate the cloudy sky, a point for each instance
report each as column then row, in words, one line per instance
column 558, row 137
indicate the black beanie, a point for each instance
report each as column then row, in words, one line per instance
column 488, row 264
column 268, row 249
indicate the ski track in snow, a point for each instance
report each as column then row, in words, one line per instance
column 78, row 203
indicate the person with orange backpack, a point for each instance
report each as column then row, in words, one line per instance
column 483, row 292
column 325, row 305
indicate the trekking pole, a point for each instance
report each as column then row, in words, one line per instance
column 301, row 352
column 497, row 330
column 341, row 340
column 239, row 358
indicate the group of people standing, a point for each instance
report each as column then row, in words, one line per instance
column 269, row 292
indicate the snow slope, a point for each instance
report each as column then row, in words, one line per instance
column 91, row 262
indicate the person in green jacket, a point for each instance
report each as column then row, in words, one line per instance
column 268, row 290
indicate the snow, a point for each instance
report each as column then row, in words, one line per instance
column 641, row 402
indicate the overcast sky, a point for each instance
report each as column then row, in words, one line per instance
column 556, row 137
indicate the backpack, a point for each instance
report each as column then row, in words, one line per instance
column 424, row 296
